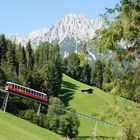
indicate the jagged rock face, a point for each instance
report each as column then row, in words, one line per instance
column 68, row 33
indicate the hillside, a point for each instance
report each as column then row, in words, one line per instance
column 90, row 104
column 14, row 128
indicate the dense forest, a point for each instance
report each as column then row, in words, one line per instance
column 41, row 70
column 36, row 69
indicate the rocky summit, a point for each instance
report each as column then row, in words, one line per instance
column 68, row 33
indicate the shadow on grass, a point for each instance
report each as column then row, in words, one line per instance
column 69, row 85
column 92, row 138
column 67, row 92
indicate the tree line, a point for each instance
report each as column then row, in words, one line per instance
column 40, row 69
column 99, row 74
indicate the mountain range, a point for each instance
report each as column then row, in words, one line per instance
column 68, row 33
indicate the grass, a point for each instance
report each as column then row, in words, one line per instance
column 14, row 128
column 90, row 104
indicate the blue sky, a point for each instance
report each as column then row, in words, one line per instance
column 24, row 16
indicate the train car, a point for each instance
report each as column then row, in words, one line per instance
column 10, row 86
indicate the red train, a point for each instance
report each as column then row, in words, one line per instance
column 26, row 91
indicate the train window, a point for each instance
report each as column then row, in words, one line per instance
column 21, row 88
column 27, row 90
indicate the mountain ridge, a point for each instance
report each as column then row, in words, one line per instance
column 68, row 33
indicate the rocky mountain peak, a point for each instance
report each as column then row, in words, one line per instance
column 68, row 33
column 77, row 26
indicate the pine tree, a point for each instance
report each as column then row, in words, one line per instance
column 107, row 74
column 10, row 56
column 29, row 56
column 73, row 66
column 3, row 77
column 22, row 63
column 53, row 76
column 3, row 47
column 97, row 77
column 85, row 75
column 42, row 53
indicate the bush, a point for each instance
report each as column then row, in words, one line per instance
column 68, row 125
column 55, row 120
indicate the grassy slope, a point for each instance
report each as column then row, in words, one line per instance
column 13, row 128
column 88, row 104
